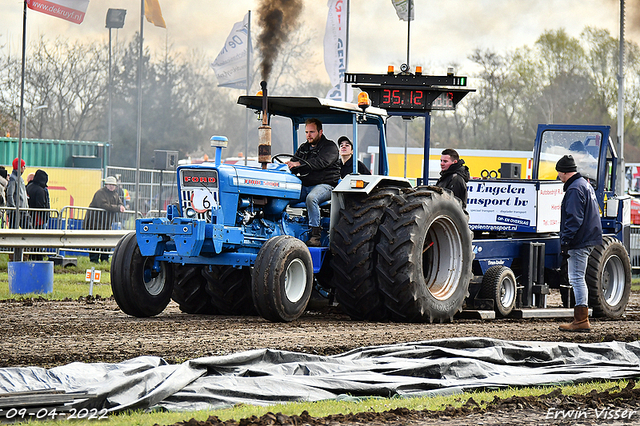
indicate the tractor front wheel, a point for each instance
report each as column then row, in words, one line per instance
column 139, row 290
column 282, row 279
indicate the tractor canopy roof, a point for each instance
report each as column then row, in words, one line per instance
column 299, row 109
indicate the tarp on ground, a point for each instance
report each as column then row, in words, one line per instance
column 266, row 377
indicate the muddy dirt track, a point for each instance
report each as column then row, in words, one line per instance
column 50, row 333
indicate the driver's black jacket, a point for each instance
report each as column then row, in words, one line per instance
column 324, row 163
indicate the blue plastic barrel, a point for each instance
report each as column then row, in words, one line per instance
column 30, row 277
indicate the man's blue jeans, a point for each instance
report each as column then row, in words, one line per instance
column 313, row 196
column 577, row 270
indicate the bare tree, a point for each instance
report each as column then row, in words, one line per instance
column 69, row 78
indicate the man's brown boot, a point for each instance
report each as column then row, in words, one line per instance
column 580, row 320
column 314, row 240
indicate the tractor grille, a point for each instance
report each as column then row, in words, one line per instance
column 199, row 192
column 187, row 207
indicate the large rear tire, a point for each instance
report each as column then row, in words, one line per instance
column 354, row 259
column 282, row 279
column 609, row 278
column 138, row 289
column 229, row 289
column 190, row 290
column 425, row 256
column 499, row 284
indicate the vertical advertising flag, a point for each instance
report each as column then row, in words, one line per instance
column 402, row 9
column 69, row 10
column 230, row 65
column 335, row 50
column 153, row 13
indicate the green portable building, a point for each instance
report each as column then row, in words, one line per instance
column 56, row 153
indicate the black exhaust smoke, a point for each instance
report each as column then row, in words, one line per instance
column 277, row 18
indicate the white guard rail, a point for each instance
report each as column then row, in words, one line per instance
column 47, row 231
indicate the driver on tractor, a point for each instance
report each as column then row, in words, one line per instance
column 319, row 172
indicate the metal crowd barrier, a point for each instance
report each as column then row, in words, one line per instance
column 73, row 229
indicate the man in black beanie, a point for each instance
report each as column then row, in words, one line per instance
column 580, row 231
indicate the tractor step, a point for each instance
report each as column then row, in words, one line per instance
column 544, row 313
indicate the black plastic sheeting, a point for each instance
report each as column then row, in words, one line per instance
column 266, row 377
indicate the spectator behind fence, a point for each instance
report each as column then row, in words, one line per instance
column 39, row 199
column 108, row 200
column 17, row 194
column 4, row 181
column 38, row 194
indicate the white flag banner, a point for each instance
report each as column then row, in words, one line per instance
column 69, row 10
column 335, row 50
column 230, row 65
column 402, row 9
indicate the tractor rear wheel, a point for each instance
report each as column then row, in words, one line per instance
column 353, row 248
column 189, row 290
column 608, row 278
column 499, row 284
column 229, row 289
column 282, row 279
column 425, row 256
column 138, row 289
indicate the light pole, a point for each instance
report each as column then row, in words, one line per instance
column 115, row 19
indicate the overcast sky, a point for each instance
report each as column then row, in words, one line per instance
column 444, row 32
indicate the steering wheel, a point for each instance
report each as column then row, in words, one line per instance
column 276, row 158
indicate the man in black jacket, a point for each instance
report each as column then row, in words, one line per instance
column 319, row 172
column 104, row 207
column 580, row 231
column 38, row 194
column 454, row 175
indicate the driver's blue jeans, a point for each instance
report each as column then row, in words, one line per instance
column 313, row 196
column 577, row 269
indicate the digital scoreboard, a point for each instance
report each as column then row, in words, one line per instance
column 410, row 92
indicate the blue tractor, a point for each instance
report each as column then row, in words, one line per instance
column 234, row 244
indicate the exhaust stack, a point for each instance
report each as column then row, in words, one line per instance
column 264, row 131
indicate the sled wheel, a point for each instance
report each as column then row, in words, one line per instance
column 229, row 289
column 608, row 278
column 499, row 284
column 189, row 290
column 282, row 279
column 424, row 256
column 138, row 289
column 354, row 258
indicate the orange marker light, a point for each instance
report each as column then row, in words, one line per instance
column 363, row 100
column 418, row 70
column 357, row 184
column 390, row 69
